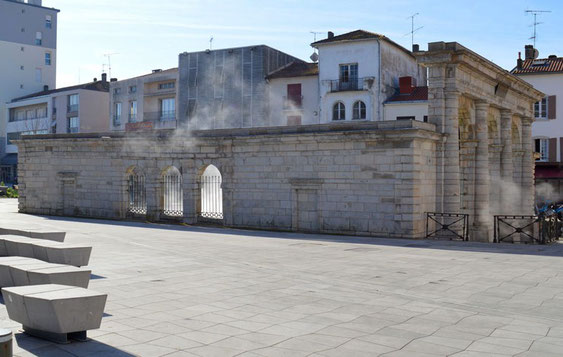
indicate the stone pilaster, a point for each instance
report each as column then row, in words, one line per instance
column 507, row 163
column 452, row 190
column 527, row 181
column 436, row 116
column 482, row 227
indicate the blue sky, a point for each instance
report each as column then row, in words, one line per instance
column 150, row 34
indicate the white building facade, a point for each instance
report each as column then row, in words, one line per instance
column 28, row 55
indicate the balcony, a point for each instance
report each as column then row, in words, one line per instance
column 72, row 108
column 352, row 84
column 116, row 120
column 168, row 115
column 158, row 92
column 293, row 102
column 132, row 118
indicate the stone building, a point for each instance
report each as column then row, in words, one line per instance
column 375, row 178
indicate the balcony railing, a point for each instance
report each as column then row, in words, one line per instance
column 352, row 84
column 117, row 120
column 160, row 116
column 132, row 118
column 72, row 108
column 293, row 102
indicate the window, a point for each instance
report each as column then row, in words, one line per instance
column 339, row 111
column 117, row 115
column 47, row 58
column 542, row 147
column 73, row 103
column 168, row 109
column 540, row 109
column 133, row 89
column 133, row 111
column 48, row 22
column 406, row 118
column 425, row 119
column 12, row 136
column 73, row 125
column 30, row 114
column 168, row 85
column 294, row 97
column 22, row 49
column 22, row 68
column 359, row 110
column 38, row 75
column 38, row 38
column 117, row 91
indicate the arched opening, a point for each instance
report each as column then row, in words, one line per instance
column 359, row 110
column 136, row 192
column 211, row 193
column 339, row 111
column 172, row 194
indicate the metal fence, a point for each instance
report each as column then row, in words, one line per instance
column 211, row 197
column 526, row 229
column 137, row 195
column 173, row 198
column 451, row 226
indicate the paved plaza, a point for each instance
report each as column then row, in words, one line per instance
column 196, row 291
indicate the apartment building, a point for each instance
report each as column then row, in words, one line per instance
column 227, row 88
column 546, row 75
column 28, row 55
column 357, row 73
column 145, row 102
column 75, row 109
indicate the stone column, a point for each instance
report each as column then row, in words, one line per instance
column 482, row 227
column 507, row 165
column 452, row 190
column 527, row 181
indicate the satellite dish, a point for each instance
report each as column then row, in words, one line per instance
column 536, row 53
column 314, row 57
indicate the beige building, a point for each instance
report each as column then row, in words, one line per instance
column 74, row 109
column 145, row 102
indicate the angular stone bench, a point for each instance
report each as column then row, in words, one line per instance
column 49, row 251
column 55, row 312
column 36, row 233
column 21, row 271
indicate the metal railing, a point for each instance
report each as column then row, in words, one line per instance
column 173, row 198
column 132, row 118
column 137, row 195
column 211, row 197
column 116, row 120
column 72, row 108
column 526, row 229
column 352, row 84
column 452, row 226
column 162, row 115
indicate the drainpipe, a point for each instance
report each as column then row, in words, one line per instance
column 379, row 81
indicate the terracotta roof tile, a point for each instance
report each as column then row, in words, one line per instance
column 295, row 69
column 544, row 65
column 360, row 35
column 418, row 94
column 99, row 86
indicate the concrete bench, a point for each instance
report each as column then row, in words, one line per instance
column 36, row 233
column 55, row 312
column 21, row 271
column 49, row 251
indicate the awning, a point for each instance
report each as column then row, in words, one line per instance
column 9, row 159
column 549, row 171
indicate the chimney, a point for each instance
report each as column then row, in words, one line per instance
column 552, row 56
column 330, row 34
column 406, row 85
column 45, row 88
column 156, row 70
column 95, row 79
column 529, row 52
column 415, row 47
column 104, row 77
column 113, row 80
column 519, row 61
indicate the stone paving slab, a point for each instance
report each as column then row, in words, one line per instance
column 196, row 291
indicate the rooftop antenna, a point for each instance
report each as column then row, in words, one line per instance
column 413, row 30
column 211, row 43
column 108, row 55
column 315, row 57
column 536, row 23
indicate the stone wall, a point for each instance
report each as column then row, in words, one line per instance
column 362, row 178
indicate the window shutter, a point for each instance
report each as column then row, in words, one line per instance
column 552, row 153
column 551, row 105
column 560, row 149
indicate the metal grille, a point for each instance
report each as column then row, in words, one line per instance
column 173, row 198
column 137, row 194
column 211, row 197
column 540, row 229
column 447, row 226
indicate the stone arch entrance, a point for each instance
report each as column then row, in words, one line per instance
column 211, row 194
column 136, row 192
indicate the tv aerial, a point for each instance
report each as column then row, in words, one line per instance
column 536, row 23
column 315, row 56
column 413, row 30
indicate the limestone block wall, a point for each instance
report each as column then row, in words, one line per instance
column 363, row 178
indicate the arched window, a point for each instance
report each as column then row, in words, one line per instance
column 136, row 192
column 172, row 197
column 211, row 193
column 339, row 111
column 359, row 110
